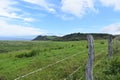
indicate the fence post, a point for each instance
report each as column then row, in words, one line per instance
column 89, row 65
column 117, row 41
column 110, row 49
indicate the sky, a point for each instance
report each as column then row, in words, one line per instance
column 29, row 18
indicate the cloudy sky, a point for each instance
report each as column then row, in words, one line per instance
column 58, row 17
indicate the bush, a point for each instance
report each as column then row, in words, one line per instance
column 116, row 50
column 30, row 54
column 87, row 46
column 113, row 68
column 102, row 43
column 72, row 45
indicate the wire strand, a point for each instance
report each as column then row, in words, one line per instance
column 40, row 69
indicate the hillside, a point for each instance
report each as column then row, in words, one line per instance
column 45, row 38
column 72, row 37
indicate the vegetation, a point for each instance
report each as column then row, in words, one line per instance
column 30, row 54
column 18, row 58
column 45, row 38
column 72, row 37
column 113, row 67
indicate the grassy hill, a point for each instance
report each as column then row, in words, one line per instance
column 45, row 38
column 81, row 36
column 72, row 37
column 56, row 60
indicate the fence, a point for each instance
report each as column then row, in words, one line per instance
column 89, row 66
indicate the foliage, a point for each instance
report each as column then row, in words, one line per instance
column 45, row 38
column 30, row 54
column 72, row 37
column 102, row 42
column 34, row 55
column 108, row 68
column 113, row 67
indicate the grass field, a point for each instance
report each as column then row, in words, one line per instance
column 55, row 60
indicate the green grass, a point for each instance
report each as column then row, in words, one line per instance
column 18, row 58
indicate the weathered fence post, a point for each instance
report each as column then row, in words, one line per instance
column 117, row 41
column 89, row 65
column 110, row 49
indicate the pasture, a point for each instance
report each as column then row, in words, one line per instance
column 51, row 60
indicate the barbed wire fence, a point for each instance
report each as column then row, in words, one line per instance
column 88, row 72
column 40, row 69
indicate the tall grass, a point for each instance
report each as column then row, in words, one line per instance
column 22, row 57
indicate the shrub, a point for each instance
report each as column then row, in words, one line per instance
column 20, row 56
column 102, row 43
column 116, row 50
column 87, row 46
column 113, row 68
column 30, row 54
column 60, row 47
column 72, row 45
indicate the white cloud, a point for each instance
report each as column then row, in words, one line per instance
column 112, row 28
column 7, row 10
column 77, row 7
column 7, row 29
column 112, row 3
column 51, row 10
column 38, row 2
column 10, row 13
column 64, row 17
column 29, row 19
column 42, row 3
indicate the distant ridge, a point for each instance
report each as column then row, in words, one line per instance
column 73, row 37
column 45, row 38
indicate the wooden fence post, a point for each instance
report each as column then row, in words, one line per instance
column 110, row 49
column 117, row 41
column 89, row 65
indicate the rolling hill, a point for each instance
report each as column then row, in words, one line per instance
column 72, row 37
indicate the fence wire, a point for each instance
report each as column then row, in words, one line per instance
column 40, row 69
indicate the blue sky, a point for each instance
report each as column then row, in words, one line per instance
column 21, row 18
